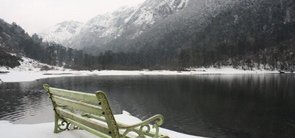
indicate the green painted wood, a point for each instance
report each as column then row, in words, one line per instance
column 91, row 130
column 78, row 105
column 82, row 120
column 101, row 118
column 75, row 95
column 157, row 120
column 112, row 124
column 158, row 117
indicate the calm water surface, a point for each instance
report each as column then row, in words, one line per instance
column 205, row 105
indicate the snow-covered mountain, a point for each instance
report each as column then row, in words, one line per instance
column 101, row 29
column 173, row 34
column 62, row 32
column 125, row 23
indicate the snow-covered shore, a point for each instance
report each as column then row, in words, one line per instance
column 31, row 70
column 45, row 130
column 21, row 76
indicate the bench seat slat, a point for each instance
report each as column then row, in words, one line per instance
column 75, row 95
column 91, row 130
column 82, row 120
column 78, row 105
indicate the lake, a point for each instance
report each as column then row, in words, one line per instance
column 243, row 106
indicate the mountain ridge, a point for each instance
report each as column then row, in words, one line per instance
column 128, row 21
column 245, row 34
column 62, row 32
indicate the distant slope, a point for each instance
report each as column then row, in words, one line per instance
column 62, row 32
column 125, row 23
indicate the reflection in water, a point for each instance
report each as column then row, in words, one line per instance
column 23, row 101
column 207, row 105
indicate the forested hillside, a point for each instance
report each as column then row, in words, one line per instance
column 13, row 39
column 16, row 43
column 244, row 34
column 250, row 34
column 175, row 34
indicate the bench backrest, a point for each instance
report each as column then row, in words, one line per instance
column 84, row 109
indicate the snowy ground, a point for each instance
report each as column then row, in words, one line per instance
column 30, row 65
column 20, row 76
column 45, row 130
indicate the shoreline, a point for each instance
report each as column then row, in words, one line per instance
column 25, row 76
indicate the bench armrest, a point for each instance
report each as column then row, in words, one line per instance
column 155, row 121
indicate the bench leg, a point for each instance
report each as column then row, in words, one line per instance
column 56, row 126
column 61, row 124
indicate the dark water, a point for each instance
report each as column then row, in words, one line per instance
column 205, row 105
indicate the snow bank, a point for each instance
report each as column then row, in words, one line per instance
column 29, row 64
column 45, row 130
column 31, row 70
column 195, row 71
column 20, row 76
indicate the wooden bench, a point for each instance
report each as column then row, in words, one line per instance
column 92, row 112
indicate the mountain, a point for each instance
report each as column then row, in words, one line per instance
column 175, row 29
column 127, row 23
column 180, row 34
column 62, row 32
column 101, row 29
column 245, row 34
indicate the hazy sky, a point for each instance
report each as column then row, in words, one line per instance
column 37, row 15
